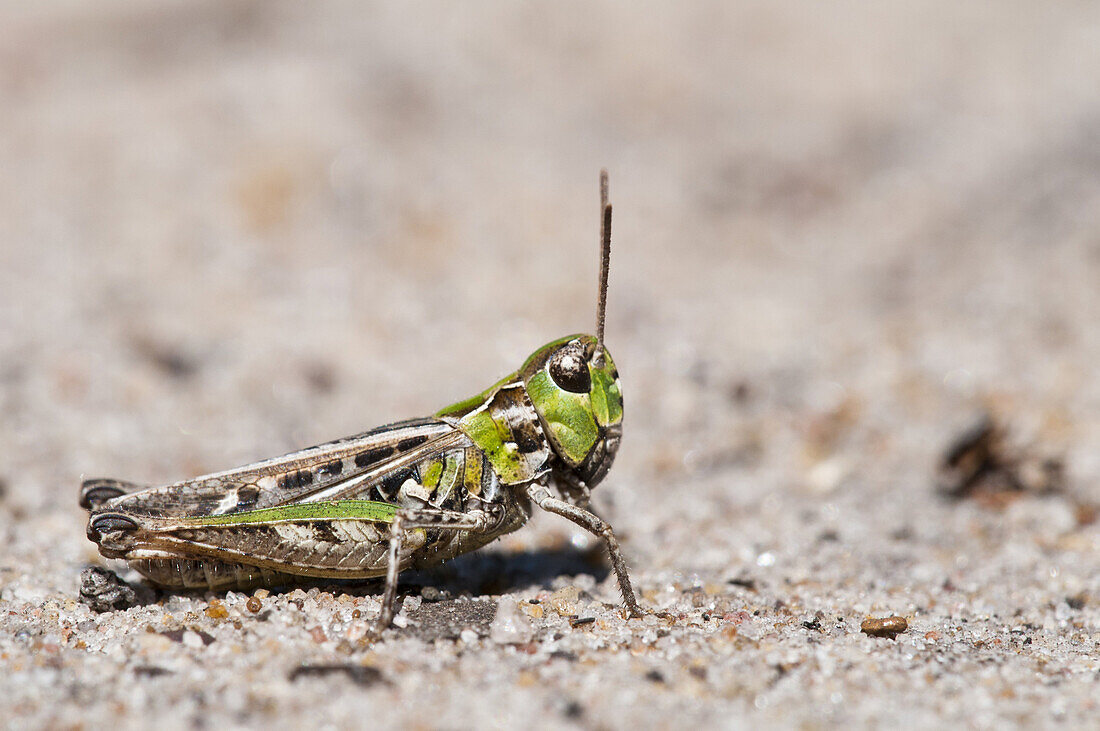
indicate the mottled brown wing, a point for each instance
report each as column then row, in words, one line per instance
column 330, row 471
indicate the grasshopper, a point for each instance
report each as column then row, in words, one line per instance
column 412, row 494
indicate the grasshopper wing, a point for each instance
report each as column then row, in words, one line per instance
column 342, row 469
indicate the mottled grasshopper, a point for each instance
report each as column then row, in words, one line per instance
column 407, row 495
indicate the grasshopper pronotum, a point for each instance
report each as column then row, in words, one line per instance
column 406, row 495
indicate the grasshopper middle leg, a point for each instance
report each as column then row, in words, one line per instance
column 410, row 519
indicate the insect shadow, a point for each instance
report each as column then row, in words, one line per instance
column 469, row 575
column 504, row 571
column 485, row 573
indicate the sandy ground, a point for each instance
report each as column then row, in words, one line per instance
column 232, row 229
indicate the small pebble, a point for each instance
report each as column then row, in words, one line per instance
column 889, row 627
column 216, row 610
column 432, row 594
column 510, row 625
column 103, row 591
column 192, row 639
column 253, row 604
column 564, row 600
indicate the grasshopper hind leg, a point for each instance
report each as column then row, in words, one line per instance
column 95, row 492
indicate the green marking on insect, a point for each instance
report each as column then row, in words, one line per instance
column 411, row 494
column 432, row 474
column 569, row 415
column 446, row 479
column 607, row 399
column 490, row 433
column 467, row 404
column 370, row 510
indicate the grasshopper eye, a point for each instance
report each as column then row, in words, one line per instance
column 569, row 369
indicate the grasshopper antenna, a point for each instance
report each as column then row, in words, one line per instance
column 605, row 258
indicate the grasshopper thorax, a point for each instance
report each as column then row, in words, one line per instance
column 574, row 386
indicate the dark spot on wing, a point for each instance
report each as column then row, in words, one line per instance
column 331, row 469
column 294, row 480
column 247, row 497
column 369, row 457
column 393, row 482
column 411, row 442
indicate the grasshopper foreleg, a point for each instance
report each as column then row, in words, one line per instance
column 410, row 519
column 592, row 523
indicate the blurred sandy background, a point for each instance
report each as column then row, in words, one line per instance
column 232, row 229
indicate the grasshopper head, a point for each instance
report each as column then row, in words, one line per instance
column 574, row 386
